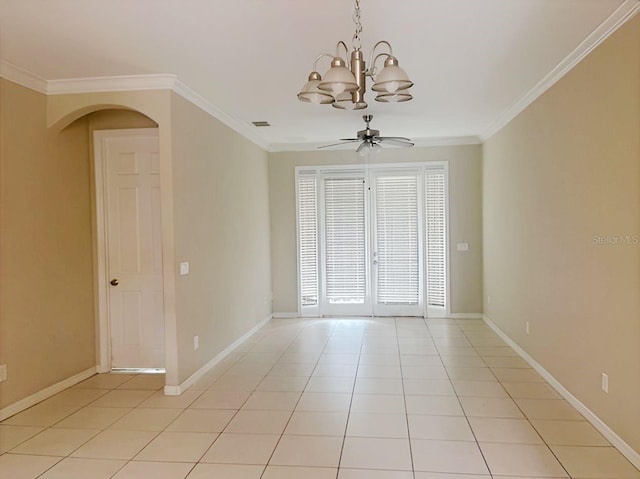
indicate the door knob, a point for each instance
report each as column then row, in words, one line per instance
column 114, row 282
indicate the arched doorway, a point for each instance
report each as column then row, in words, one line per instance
column 114, row 119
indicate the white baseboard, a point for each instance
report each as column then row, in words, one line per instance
column 286, row 315
column 465, row 315
column 46, row 393
column 631, row 454
column 177, row 390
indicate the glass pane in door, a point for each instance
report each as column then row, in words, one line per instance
column 345, row 266
column 396, row 256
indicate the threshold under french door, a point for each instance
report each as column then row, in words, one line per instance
column 138, row 370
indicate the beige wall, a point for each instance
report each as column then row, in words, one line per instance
column 565, row 170
column 46, row 276
column 465, row 202
column 117, row 119
column 221, row 226
column 217, row 182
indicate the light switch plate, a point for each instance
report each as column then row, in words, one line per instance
column 3, row 372
column 463, row 246
column 184, row 268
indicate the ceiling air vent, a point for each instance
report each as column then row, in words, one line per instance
column 260, row 123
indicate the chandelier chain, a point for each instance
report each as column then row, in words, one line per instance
column 356, row 43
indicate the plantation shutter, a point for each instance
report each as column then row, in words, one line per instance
column 436, row 247
column 397, row 241
column 345, row 266
column 308, row 239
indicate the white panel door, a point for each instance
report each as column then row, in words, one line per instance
column 136, row 315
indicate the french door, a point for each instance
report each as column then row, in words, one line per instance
column 396, row 257
column 344, row 248
column 368, row 239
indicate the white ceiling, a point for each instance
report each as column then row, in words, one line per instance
column 475, row 63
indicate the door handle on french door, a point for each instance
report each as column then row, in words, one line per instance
column 114, row 282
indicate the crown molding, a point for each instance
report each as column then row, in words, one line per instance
column 198, row 100
column 623, row 13
column 114, row 83
column 418, row 142
column 126, row 83
column 23, row 77
column 30, row 80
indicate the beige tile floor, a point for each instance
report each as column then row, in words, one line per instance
column 379, row 398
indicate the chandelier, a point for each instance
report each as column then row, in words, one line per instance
column 344, row 86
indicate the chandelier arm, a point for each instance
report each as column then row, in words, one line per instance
column 318, row 58
column 346, row 49
column 371, row 71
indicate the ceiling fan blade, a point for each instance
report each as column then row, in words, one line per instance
column 350, row 139
column 362, row 145
column 393, row 140
column 341, row 143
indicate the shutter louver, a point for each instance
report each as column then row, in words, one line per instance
column 398, row 262
column 345, row 267
column 436, row 247
column 308, row 240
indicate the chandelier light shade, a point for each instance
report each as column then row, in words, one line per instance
column 343, row 86
column 310, row 92
column 338, row 79
column 344, row 101
column 397, row 97
column 392, row 78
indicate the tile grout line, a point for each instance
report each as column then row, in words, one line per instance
column 404, row 398
column 517, row 406
column 462, row 407
column 282, row 434
column 353, row 391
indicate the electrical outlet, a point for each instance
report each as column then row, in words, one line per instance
column 196, row 342
column 488, row 299
column 605, row 383
column 3, row 372
column 527, row 328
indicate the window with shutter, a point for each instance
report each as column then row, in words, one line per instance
column 308, row 239
column 436, row 238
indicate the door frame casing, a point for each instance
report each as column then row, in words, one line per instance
column 101, row 251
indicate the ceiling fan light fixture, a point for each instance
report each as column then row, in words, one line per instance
column 369, row 149
column 392, row 78
column 370, row 140
column 338, row 78
column 394, row 97
column 310, row 92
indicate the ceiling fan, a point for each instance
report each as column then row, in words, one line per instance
column 371, row 139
